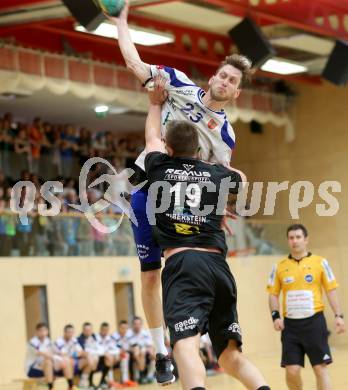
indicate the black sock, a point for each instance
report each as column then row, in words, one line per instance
column 104, row 373
column 50, row 385
column 91, row 378
column 70, row 383
column 264, row 388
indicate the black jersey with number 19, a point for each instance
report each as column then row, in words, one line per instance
column 190, row 196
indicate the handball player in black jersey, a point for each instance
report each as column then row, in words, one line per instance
column 187, row 200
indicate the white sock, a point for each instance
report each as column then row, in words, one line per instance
column 151, row 369
column 157, row 335
column 111, row 375
column 124, row 369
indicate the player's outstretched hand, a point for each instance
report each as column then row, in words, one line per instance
column 158, row 93
column 123, row 16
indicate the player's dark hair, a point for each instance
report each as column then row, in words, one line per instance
column 123, row 322
column 104, row 325
column 41, row 325
column 240, row 62
column 68, row 326
column 86, row 324
column 136, row 318
column 297, row 226
column 182, row 137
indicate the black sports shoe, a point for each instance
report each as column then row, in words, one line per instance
column 164, row 370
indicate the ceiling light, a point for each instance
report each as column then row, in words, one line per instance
column 101, row 109
column 283, row 67
column 142, row 36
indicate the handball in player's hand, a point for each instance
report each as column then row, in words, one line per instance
column 157, row 91
column 114, row 7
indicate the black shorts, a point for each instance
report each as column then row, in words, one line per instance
column 199, row 296
column 305, row 336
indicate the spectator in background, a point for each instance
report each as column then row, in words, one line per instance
column 68, row 147
column 99, row 237
column 7, row 140
column 24, row 237
column 36, row 139
column 84, row 145
column 9, row 221
column 99, row 144
column 85, row 238
column 22, row 152
column 57, row 161
column 69, row 227
column 89, row 344
column 142, row 352
column 47, row 169
column 39, row 358
column 110, row 151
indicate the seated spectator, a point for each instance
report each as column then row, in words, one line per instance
column 142, row 353
column 121, row 338
column 47, row 168
column 22, row 153
column 8, row 133
column 109, row 354
column 68, row 148
column 89, row 344
column 36, row 139
column 84, row 145
column 39, row 358
column 70, row 357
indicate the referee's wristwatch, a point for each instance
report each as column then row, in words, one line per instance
column 339, row 316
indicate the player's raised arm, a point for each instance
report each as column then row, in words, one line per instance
column 153, row 138
column 129, row 52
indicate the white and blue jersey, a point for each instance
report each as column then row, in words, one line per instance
column 216, row 142
column 184, row 102
column 70, row 347
column 34, row 361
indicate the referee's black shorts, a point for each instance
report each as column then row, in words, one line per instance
column 199, row 296
column 308, row 336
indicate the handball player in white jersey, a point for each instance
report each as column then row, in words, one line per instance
column 186, row 101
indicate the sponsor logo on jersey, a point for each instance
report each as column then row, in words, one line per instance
column 289, row 279
column 212, row 124
column 188, row 176
column 185, row 92
column 191, row 323
column 309, row 278
column 188, row 167
column 235, row 328
column 187, row 230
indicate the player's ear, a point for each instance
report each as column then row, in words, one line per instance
column 237, row 93
column 210, row 82
column 170, row 151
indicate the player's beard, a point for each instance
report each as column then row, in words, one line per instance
column 217, row 97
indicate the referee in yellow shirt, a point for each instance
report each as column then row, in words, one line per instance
column 300, row 277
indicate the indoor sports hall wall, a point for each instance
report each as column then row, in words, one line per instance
column 82, row 289
column 318, row 153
